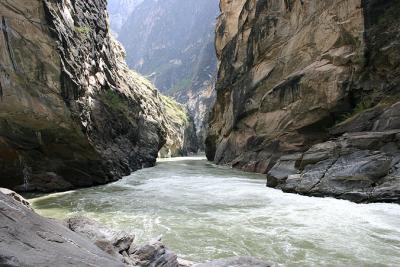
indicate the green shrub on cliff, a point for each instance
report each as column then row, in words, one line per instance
column 83, row 30
column 115, row 101
column 174, row 109
column 359, row 108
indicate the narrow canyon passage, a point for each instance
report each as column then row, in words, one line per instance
column 207, row 212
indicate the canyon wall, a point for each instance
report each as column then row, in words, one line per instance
column 171, row 42
column 295, row 74
column 72, row 114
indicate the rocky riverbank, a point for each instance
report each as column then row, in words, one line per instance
column 72, row 114
column 28, row 239
column 308, row 94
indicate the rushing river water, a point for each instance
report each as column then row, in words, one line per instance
column 205, row 212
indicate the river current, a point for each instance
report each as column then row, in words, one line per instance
column 207, row 212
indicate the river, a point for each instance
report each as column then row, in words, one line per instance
column 207, row 212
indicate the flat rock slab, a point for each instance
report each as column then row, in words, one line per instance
column 29, row 240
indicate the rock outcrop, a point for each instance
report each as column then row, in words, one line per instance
column 72, row 114
column 121, row 246
column 181, row 131
column 28, row 239
column 173, row 45
column 301, row 85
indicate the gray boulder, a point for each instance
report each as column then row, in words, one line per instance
column 361, row 167
column 30, row 240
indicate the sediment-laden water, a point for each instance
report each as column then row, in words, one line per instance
column 205, row 212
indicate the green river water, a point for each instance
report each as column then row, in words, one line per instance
column 207, row 212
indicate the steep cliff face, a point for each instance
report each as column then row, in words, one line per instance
column 71, row 112
column 296, row 73
column 172, row 43
column 181, row 131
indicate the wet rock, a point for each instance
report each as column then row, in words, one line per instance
column 123, row 241
column 28, row 239
column 45, row 182
column 110, row 241
column 286, row 165
column 89, row 228
column 348, row 168
column 121, row 245
column 236, row 262
column 154, row 254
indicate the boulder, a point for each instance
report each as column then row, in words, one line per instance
column 361, row 167
column 27, row 239
column 16, row 197
column 121, row 245
column 154, row 254
column 110, row 241
column 286, row 165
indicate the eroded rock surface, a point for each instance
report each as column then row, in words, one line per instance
column 28, row 239
column 181, row 137
column 172, row 45
column 72, row 114
column 121, row 245
column 294, row 74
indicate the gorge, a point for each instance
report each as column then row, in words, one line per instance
column 307, row 93
column 301, row 96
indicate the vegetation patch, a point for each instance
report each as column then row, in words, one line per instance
column 115, row 101
column 174, row 109
column 83, row 30
column 360, row 107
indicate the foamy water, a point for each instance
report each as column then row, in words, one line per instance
column 206, row 212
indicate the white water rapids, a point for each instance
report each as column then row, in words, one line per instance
column 206, row 212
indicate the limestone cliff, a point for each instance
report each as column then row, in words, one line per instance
column 71, row 112
column 295, row 73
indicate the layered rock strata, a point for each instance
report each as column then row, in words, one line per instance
column 71, row 112
column 296, row 73
column 28, row 239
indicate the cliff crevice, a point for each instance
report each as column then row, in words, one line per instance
column 293, row 74
column 72, row 114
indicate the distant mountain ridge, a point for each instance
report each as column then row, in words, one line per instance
column 119, row 11
column 171, row 42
